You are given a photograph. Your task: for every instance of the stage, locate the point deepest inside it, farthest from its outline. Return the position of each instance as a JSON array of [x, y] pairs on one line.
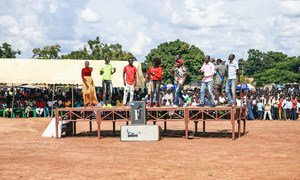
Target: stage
[[155, 114]]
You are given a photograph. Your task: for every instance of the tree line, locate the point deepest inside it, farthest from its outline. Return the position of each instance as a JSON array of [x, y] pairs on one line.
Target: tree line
[[264, 67]]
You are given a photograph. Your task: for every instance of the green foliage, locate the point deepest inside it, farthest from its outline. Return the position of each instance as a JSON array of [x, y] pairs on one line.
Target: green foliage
[[276, 76], [98, 50], [80, 54], [193, 58], [7, 52], [258, 61], [271, 67], [47, 52]]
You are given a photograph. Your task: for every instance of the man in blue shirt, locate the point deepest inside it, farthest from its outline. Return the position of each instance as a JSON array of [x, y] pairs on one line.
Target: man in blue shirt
[[260, 110]]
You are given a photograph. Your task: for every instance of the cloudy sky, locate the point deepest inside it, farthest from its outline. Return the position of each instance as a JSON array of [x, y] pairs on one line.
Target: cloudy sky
[[216, 27]]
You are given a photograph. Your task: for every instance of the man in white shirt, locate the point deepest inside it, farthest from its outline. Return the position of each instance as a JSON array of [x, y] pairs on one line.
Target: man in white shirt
[[208, 69], [287, 108], [233, 70]]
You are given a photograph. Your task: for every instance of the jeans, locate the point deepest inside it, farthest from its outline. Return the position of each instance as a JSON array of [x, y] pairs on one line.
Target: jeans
[[46, 111], [230, 85], [107, 91], [178, 94], [128, 89], [259, 115], [250, 113], [210, 86], [293, 114], [155, 89], [275, 113]]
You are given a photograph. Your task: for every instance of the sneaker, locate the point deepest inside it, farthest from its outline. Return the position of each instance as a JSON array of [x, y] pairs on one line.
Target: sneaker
[[175, 106], [109, 106], [185, 104], [212, 105], [104, 106]]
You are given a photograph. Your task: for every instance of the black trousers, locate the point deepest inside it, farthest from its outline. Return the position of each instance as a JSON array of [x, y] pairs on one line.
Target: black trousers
[[275, 113]]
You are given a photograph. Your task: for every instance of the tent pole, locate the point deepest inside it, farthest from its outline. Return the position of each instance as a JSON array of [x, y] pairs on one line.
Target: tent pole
[[13, 101], [52, 100]]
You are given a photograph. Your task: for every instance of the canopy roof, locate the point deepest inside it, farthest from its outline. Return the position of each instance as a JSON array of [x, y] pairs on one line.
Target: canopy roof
[[34, 71]]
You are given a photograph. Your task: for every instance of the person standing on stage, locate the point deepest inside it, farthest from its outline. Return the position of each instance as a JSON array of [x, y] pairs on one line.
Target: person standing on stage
[[208, 69], [107, 70], [88, 88], [220, 77], [233, 71], [155, 74], [130, 81], [180, 76]]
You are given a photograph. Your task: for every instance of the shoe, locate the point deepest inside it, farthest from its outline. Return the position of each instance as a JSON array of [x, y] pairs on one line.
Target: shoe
[[103, 106], [212, 105], [175, 106], [109, 106]]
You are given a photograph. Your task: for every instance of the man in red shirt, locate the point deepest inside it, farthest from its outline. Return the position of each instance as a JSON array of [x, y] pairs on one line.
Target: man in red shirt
[[155, 74], [40, 105], [294, 108], [130, 81]]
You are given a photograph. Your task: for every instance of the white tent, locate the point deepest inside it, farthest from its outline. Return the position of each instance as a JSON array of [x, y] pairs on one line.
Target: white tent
[[40, 71]]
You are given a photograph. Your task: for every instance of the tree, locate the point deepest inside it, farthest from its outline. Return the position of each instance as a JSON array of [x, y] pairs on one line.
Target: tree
[[97, 50], [258, 61], [47, 52], [7, 52], [80, 54], [286, 71], [193, 58]]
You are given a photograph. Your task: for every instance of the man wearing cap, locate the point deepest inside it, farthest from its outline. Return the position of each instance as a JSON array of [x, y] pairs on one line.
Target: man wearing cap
[[180, 75]]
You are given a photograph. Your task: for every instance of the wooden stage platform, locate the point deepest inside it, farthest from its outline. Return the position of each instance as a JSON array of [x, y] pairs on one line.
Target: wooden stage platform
[[155, 114]]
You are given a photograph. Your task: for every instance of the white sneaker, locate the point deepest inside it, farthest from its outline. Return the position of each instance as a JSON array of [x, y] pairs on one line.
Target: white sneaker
[[175, 106]]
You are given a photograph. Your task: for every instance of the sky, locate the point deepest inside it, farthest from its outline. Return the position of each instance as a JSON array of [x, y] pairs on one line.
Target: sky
[[217, 27]]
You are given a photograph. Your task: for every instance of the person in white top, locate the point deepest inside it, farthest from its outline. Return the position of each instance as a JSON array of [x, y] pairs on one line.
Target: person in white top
[[208, 69], [267, 111], [233, 70], [274, 104], [287, 108]]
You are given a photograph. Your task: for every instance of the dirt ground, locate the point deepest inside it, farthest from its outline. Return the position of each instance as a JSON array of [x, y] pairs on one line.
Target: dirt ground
[[270, 150]]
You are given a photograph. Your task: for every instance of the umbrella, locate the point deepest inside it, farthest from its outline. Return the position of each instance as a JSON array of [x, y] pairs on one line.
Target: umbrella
[[245, 87]]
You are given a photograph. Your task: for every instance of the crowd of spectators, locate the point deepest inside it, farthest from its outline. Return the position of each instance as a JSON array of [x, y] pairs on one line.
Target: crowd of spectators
[[262, 104], [274, 104]]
